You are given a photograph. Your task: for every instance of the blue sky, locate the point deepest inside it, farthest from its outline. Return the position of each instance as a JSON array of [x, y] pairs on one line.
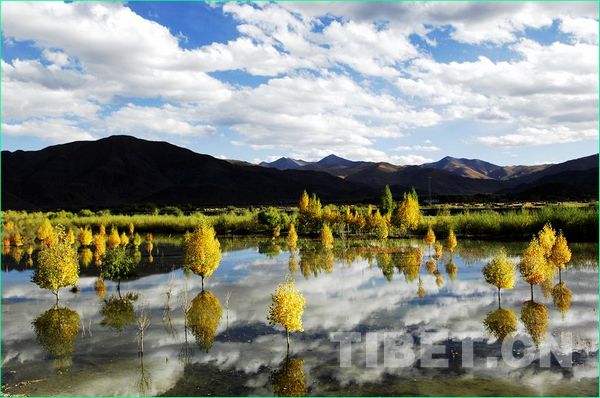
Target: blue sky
[[407, 83]]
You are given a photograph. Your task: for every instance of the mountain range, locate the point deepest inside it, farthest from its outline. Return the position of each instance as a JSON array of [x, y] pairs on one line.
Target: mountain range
[[123, 171]]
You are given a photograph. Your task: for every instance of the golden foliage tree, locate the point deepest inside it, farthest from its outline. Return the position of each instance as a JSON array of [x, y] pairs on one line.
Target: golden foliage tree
[[124, 239], [303, 203], [431, 265], [438, 250], [380, 226], [292, 238], [102, 230], [560, 254], [100, 288], [202, 251], [407, 215], [85, 257], [500, 323], [70, 236], [287, 308], [58, 265], [561, 297], [289, 379], [535, 318], [451, 241], [56, 331], [533, 264], [130, 229], [16, 239], [500, 272], [204, 317], [113, 239], [547, 237], [45, 231], [326, 237], [429, 236], [85, 236]]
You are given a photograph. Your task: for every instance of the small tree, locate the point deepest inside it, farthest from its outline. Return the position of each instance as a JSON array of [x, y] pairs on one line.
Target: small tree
[[533, 264], [500, 272], [303, 203], [85, 236], [292, 238], [202, 251], [429, 237], [124, 239], [535, 318], [287, 308], [45, 231], [131, 228], [326, 237], [113, 238], [380, 226], [118, 265], [501, 323], [58, 265], [547, 237], [438, 250], [408, 214], [386, 202], [451, 241], [204, 317], [560, 254], [561, 297]]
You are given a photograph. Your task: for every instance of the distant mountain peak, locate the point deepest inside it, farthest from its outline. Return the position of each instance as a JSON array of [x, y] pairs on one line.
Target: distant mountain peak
[[334, 160]]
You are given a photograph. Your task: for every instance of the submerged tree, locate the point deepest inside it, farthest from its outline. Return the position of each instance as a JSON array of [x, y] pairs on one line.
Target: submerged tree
[[560, 254], [289, 379], [58, 265], [118, 265], [203, 318], [287, 308], [326, 237], [56, 331], [292, 238], [535, 318], [202, 251], [501, 323], [561, 297], [500, 272], [451, 241], [533, 264]]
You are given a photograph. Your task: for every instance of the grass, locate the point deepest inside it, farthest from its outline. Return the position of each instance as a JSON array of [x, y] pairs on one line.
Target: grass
[[577, 223]]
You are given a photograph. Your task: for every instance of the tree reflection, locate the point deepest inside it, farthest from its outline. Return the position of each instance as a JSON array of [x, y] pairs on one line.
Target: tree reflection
[[56, 331], [316, 261], [289, 379], [451, 269], [384, 262], [269, 248], [501, 323], [535, 318], [203, 318], [118, 312], [85, 257], [561, 297]]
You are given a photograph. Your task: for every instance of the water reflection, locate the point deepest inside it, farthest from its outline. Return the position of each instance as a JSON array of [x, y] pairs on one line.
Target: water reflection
[[535, 318], [562, 296], [289, 379], [204, 317], [118, 312], [56, 331]]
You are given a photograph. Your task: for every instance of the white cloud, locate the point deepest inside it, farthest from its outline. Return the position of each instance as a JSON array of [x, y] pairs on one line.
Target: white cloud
[[55, 130], [418, 148], [581, 29], [539, 136]]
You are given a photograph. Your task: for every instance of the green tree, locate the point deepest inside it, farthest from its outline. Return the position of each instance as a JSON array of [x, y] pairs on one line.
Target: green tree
[[386, 202], [118, 312], [500, 272], [58, 265], [202, 251], [118, 264]]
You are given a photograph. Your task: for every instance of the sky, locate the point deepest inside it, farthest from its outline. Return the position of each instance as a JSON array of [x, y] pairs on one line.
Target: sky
[[407, 83]]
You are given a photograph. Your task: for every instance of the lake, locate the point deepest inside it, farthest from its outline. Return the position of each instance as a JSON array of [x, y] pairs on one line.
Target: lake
[[89, 344]]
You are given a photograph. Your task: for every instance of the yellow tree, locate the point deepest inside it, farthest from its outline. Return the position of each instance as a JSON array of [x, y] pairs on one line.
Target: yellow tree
[[204, 317], [130, 229], [500, 272], [560, 254], [113, 238], [547, 237], [45, 231], [287, 308], [289, 380], [429, 237], [533, 264], [380, 226], [438, 250], [58, 265], [56, 331], [85, 236], [407, 215], [451, 269], [202, 251], [561, 297], [500, 323], [70, 236], [124, 239], [102, 230], [326, 237], [86, 257], [303, 203], [535, 318], [292, 238], [451, 241]]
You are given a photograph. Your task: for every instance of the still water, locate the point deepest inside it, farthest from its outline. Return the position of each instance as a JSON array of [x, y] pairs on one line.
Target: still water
[[89, 344]]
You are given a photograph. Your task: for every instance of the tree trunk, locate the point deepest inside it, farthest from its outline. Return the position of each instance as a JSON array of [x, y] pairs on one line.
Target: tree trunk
[[531, 285], [119, 288], [202, 282], [287, 336], [498, 297], [559, 275], [56, 294]]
